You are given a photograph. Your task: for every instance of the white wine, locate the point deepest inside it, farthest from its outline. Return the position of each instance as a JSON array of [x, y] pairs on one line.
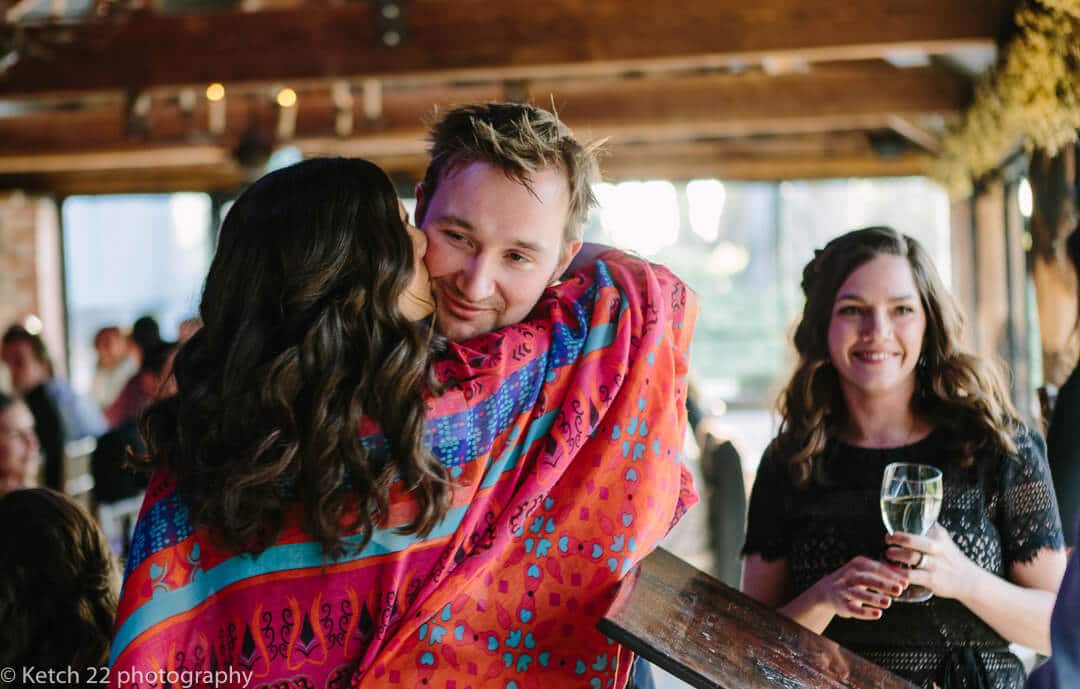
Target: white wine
[[910, 502], [913, 514]]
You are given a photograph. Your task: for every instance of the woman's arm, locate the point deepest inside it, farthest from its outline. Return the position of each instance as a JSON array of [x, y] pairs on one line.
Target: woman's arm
[[1018, 609], [1019, 606], [770, 583], [860, 589]]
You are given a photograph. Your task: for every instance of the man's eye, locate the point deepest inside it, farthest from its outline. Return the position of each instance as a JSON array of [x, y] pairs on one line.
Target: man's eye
[[517, 258]]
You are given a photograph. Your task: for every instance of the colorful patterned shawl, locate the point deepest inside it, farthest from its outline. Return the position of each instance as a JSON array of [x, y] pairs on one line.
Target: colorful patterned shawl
[[564, 436]]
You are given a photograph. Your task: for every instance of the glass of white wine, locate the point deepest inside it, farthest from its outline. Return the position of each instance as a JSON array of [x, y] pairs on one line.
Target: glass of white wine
[[910, 502]]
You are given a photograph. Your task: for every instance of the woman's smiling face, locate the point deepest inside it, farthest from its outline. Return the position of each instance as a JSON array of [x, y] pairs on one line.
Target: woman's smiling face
[[876, 328]]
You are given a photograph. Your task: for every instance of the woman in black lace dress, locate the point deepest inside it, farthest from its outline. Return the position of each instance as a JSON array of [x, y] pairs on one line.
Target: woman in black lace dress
[[882, 378]]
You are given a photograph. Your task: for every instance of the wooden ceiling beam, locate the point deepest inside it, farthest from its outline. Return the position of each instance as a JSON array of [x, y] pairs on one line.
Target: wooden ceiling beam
[[480, 39], [134, 159], [789, 157], [827, 98], [229, 177], [847, 154], [831, 97], [911, 131]]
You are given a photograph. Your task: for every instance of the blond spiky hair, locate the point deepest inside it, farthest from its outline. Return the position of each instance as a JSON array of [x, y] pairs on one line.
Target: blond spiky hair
[[519, 139]]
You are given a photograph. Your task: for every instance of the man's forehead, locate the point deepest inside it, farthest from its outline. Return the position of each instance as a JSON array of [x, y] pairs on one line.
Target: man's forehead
[[526, 179], [499, 210]]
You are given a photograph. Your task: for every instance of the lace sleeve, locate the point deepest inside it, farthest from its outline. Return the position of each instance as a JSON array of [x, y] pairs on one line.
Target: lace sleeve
[[1029, 511], [765, 532]]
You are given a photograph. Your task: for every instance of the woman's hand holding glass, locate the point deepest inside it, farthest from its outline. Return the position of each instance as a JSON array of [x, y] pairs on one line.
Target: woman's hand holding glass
[[911, 496], [862, 588], [938, 564]]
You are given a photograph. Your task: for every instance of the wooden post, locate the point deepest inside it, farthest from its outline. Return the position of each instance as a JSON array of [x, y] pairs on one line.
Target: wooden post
[[31, 273], [992, 299], [1054, 217], [1018, 326], [990, 283], [962, 236]]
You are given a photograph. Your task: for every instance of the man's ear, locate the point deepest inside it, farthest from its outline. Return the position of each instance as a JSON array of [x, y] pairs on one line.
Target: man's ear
[[569, 252], [421, 203]]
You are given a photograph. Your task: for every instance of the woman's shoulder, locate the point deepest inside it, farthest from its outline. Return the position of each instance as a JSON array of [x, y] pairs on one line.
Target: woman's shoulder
[[1027, 457], [1027, 440], [775, 465]]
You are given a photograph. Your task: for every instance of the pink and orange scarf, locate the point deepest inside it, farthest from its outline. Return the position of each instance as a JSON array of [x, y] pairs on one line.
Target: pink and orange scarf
[[564, 438]]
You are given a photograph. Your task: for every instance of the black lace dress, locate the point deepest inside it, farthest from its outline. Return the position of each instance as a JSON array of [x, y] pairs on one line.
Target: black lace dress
[[999, 512]]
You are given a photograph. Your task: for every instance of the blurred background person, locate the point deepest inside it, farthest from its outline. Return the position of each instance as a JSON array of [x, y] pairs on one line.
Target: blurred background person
[[723, 489], [145, 336], [61, 415], [115, 365], [118, 487], [1062, 439], [1063, 447], [58, 586], [19, 451]]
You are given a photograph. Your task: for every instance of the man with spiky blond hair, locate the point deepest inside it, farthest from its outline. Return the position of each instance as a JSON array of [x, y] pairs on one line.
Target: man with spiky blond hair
[[503, 203]]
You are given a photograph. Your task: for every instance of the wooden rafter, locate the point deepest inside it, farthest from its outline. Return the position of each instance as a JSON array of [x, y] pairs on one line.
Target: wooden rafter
[[827, 98], [171, 168], [480, 39]]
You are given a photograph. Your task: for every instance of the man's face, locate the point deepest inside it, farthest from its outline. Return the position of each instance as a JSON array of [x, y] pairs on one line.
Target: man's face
[[493, 245], [26, 371]]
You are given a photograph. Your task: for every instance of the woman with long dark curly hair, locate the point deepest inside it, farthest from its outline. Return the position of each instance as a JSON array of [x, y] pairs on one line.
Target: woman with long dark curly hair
[[338, 501], [882, 377], [276, 382]]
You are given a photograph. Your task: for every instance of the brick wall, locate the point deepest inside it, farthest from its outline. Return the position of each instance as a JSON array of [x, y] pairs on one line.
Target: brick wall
[[31, 277]]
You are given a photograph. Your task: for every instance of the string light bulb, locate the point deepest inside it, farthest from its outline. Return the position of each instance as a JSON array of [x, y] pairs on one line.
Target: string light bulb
[[286, 97], [33, 325]]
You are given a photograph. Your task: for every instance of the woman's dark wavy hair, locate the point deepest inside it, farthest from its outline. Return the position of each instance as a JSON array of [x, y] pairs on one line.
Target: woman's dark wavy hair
[[58, 584], [302, 338], [956, 390]]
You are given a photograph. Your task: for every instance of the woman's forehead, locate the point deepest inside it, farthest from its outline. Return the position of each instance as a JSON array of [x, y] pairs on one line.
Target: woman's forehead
[[882, 273]]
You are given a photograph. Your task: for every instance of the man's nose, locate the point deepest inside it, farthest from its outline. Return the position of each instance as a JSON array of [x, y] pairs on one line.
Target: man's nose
[[477, 280]]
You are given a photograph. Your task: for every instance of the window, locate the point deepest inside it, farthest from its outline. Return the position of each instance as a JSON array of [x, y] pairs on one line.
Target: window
[[742, 247], [130, 256]]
